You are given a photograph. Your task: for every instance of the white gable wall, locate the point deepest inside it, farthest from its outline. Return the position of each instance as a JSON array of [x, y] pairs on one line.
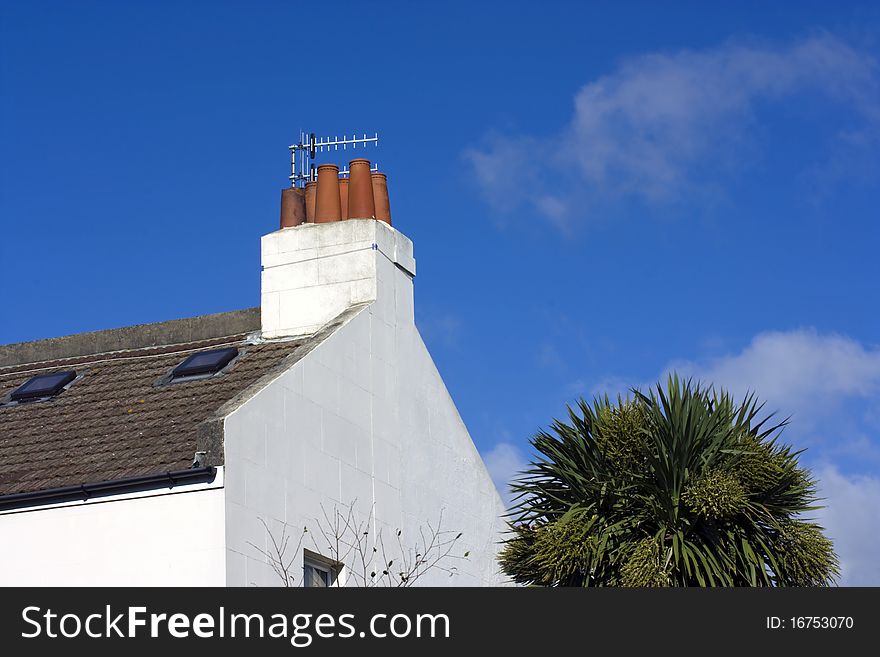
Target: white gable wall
[[365, 417]]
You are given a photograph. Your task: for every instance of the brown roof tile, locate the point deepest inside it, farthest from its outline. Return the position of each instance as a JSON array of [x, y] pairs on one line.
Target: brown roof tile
[[116, 421]]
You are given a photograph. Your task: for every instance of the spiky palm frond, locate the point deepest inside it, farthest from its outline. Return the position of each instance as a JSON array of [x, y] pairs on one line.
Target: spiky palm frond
[[680, 486]]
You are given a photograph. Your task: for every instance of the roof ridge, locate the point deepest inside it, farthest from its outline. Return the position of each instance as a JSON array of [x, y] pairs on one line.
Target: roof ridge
[[126, 354], [131, 338]]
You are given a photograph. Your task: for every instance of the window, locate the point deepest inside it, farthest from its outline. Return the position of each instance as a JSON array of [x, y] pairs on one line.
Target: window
[[204, 363], [318, 571], [42, 386]]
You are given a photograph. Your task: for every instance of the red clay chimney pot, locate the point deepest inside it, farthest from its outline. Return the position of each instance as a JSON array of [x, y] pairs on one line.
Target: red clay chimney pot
[[343, 198], [380, 197], [327, 205], [293, 207], [311, 189], [360, 191]]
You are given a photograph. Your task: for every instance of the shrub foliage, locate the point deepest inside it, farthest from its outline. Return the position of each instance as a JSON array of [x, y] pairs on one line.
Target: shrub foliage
[[677, 487]]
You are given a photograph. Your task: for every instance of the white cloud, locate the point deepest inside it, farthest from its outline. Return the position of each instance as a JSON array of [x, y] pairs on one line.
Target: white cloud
[[613, 386], [504, 462], [852, 521], [550, 357], [494, 166], [800, 372], [654, 126]]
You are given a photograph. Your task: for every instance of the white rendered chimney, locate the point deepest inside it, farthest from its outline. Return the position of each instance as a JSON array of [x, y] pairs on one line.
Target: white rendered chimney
[[313, 272]]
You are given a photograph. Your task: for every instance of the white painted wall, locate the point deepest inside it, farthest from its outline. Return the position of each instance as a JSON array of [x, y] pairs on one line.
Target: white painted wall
[[366, 417], [312, 273], [169, 538]]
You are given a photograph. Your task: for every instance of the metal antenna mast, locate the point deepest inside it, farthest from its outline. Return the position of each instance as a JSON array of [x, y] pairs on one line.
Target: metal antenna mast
[[304, 153]]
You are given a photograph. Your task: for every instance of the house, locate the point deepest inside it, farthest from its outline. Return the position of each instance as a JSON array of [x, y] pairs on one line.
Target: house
[[188, 452]]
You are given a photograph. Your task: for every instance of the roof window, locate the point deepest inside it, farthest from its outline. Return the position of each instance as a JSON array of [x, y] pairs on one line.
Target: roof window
[[42, 386], [204, 363]]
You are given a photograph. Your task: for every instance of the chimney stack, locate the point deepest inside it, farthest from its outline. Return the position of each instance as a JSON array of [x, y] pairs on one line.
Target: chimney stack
[[314, 272], [336, 249]]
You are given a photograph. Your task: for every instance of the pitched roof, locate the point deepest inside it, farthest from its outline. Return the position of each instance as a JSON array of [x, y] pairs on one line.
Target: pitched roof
[[118, 420]]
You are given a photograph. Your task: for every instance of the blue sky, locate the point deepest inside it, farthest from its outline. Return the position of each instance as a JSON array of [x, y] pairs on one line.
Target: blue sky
[[598, 193]]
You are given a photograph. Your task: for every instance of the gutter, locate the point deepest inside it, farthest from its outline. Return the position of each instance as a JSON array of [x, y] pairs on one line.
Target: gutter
[[84, 492]]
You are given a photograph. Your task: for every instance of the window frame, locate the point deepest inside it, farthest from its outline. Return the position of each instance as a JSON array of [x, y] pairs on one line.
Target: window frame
[[14, 397], [180, 373], [320, 563]]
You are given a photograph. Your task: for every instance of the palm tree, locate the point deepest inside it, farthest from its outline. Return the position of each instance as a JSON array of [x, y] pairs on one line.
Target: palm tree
[[679, 487]]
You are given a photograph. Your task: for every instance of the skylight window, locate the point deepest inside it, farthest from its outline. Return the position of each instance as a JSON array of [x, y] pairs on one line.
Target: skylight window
[[42, 385], [204, 363]]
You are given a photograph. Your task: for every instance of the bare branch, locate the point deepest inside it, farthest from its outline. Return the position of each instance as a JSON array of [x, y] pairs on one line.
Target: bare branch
[[349, 542]]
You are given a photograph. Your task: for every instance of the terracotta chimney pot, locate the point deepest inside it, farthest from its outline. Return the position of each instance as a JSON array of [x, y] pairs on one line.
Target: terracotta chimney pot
[[327, 205], [343, 197], [380, 197], [293, 207], [360, 191], [311, 189]]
